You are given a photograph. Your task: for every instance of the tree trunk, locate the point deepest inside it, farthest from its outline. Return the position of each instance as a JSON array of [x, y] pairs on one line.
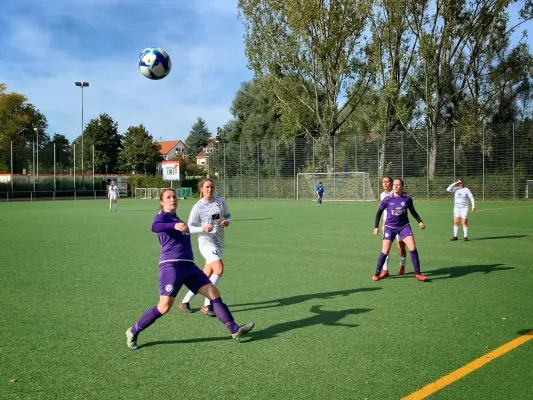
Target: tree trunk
[[381, 159], [432, 153]]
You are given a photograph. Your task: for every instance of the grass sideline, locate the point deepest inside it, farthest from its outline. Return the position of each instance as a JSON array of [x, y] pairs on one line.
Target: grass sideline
[[74, 277]]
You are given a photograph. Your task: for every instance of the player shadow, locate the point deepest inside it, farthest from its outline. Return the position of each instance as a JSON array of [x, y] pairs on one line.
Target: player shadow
[[321, 317], [287, 301], [499, 237], [528, 332], [183, 341], [463, 270]]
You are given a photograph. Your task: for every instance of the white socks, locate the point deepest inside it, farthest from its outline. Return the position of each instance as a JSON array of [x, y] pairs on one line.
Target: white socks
[[190, 295], [402, 261], [465, 231], [455, 231], [214, 278], [386, 264]]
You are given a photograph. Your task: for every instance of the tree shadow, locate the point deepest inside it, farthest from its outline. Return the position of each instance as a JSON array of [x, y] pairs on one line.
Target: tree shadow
[[456, 272], [321, 317], [184, 341], [298, 299], [499, 237]]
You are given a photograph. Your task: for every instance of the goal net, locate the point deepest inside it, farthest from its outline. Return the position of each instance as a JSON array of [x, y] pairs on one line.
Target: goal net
[[346, 186], [147, 193]]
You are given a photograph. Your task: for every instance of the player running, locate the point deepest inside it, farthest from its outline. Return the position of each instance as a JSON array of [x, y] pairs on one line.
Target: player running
[[209, 217], [460, 208], [177, 268], [113, 195], [386, 182], [319, 193], [397, 224]]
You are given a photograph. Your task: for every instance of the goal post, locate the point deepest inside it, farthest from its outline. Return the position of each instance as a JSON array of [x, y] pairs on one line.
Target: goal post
[[529, 189], [340, 186], [147, 193]]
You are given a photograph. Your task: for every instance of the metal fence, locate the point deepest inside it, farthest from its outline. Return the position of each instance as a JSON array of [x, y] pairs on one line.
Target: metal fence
[[495, 161], [49, 172]]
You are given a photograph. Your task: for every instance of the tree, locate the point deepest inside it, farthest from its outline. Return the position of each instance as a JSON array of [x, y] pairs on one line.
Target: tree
[[198, 138], [18, 118], [139, 151], [63, 151], [102, 133], [393, 51], [452, 38], [309, 50]]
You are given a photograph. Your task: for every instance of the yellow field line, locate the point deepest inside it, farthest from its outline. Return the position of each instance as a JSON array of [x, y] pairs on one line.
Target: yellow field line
[[468, 368]]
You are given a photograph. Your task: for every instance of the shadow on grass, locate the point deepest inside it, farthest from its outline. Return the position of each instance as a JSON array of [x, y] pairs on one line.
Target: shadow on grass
[[321, 317], [528, 332], [456, 272], [499, 237], [184, 341], [297, 299]]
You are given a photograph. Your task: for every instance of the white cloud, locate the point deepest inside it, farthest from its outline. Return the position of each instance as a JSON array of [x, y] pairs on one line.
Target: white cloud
[[62, 41]]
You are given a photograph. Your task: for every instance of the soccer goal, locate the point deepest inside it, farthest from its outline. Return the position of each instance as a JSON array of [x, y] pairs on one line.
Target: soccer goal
[[147, 193], [529, 189], [340, 186]]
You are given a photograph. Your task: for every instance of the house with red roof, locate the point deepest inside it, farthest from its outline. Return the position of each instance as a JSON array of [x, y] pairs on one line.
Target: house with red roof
[[203, 156], [173, 148]]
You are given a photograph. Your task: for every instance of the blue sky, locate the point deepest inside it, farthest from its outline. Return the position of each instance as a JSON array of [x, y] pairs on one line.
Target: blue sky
[[48, 45]]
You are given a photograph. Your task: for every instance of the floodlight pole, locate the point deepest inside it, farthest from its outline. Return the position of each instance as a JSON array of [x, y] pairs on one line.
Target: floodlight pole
[[37, 149], [82, 85]]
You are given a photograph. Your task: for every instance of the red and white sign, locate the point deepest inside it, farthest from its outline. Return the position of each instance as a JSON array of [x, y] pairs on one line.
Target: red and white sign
[[171, 170]]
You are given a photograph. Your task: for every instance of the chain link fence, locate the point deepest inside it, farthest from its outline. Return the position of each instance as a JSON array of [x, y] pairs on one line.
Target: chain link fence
[[495, 161], [49, 172]]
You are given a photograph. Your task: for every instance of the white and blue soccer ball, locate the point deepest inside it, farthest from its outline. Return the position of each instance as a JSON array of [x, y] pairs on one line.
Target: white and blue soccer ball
[[154, 63]]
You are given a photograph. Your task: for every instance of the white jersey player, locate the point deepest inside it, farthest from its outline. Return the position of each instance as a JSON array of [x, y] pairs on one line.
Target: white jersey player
[[386, 183], [113, 195], [461, 206], [209, 217]]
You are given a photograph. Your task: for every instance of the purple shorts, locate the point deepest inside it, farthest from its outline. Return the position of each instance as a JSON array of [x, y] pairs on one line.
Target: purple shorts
[[173, 275], [402, 233]]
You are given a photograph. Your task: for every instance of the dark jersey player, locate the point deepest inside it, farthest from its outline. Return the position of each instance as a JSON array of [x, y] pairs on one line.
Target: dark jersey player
[[397, 224], [319, 193], [177, 268]]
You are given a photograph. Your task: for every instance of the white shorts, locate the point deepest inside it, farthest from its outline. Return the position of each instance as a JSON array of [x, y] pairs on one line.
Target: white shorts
[[112, 197], [211, 252], [460, 212]]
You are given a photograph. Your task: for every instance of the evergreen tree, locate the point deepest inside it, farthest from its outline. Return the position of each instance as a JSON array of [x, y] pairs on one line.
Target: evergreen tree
[[198, 138]]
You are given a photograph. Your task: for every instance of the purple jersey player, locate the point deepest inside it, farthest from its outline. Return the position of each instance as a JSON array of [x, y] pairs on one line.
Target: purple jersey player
[[397, 224], [177, 268]]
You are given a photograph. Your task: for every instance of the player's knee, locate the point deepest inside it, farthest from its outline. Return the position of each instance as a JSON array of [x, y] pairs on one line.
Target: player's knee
[[217, 267], [164, 307]]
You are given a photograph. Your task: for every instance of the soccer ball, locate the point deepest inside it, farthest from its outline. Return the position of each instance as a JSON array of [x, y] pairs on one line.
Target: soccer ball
[[154, 63]]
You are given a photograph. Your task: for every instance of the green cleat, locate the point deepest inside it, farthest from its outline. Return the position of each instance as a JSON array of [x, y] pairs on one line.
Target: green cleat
[[243, 330], [131, 340]]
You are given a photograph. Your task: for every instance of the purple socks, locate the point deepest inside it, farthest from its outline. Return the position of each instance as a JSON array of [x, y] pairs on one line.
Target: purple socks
[[224, 315], [147, 319], [381, 260]]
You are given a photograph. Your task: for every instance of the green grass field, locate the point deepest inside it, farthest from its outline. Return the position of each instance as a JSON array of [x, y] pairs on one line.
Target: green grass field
[[74, 277]]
